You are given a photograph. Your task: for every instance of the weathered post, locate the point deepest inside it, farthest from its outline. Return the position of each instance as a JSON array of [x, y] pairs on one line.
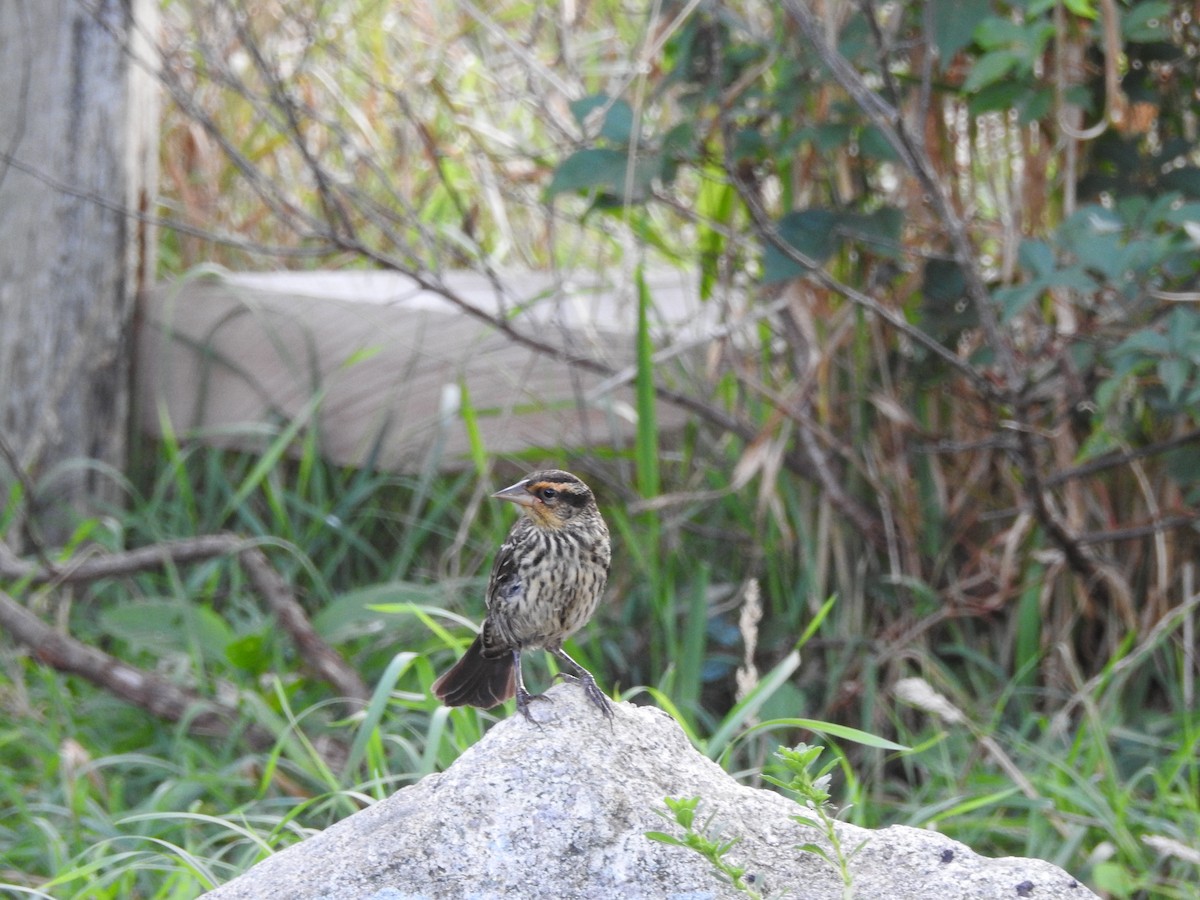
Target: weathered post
[[78, 148]]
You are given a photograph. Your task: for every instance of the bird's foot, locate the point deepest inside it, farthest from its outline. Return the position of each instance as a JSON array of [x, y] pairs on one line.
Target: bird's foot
[[593, 692], [524, 698], [590, 688]]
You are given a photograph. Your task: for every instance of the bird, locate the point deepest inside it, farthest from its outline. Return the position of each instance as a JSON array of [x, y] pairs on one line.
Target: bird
[[546, 581]]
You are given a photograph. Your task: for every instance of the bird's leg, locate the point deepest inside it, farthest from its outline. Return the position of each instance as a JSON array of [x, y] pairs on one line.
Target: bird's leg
[[523, 696], [583, 677]]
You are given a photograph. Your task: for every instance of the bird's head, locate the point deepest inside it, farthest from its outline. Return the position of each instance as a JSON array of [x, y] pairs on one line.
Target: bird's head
[[551, 498]]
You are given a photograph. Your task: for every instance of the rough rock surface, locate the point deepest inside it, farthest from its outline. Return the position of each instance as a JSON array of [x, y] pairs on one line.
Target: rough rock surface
[[562, 810]]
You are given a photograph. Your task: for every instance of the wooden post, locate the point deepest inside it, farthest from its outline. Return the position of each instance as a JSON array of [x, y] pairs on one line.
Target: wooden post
[[78, 145]]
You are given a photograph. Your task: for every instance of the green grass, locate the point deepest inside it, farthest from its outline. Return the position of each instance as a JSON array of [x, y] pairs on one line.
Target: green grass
[[100, 800]]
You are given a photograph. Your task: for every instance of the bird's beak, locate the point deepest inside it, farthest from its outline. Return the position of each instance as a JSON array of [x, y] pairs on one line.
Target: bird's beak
[[516, 494]]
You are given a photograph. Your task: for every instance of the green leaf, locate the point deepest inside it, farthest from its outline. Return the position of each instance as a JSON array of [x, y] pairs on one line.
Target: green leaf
[[1014, 300], [1029, 628], [945, 310], [1097, 443], [664, 838], [737, 716], [618, 116], [1036, 257], [999, 97], [1183, 326], [594, 168], [1105, 254], [618, 123], [646, 440], [355, 613], [603, 170], [470, 420], [990, 68], [832, 729], [944, 281], [1114, 879], [377, 708], [269, 460], [1146, 342], [1145, 23], [164, 626], [1183, 213], [1174, 374], [1072, 277], [879, 230], [999, 32], [811, 232], [749, 143], [1081, 8], [828, 137], [873, 144], [250, 652], [1034, 105], [582, 108], [954, 22]]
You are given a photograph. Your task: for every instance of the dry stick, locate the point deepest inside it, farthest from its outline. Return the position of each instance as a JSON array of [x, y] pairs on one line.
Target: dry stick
[[115, 565], [144, 689], [1118, 458], [317, 656], [1137, 532], [888, 119]]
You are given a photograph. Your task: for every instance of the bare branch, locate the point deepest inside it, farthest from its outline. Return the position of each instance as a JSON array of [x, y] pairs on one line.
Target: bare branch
[[156, 695], [1137, 532], [321, 659], [317, 655], [116, 565], [1119, 459]]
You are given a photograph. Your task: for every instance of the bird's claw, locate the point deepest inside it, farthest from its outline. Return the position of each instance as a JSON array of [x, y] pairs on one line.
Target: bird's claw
[[590, 688], [523, 700], [597, 696]]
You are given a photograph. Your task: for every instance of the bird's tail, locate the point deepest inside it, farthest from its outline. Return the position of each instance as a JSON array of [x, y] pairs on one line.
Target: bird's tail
[[477, 680]]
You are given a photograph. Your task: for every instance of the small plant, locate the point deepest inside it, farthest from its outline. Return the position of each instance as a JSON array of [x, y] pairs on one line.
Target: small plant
[[808, 789], [811, 791], [683, 811]]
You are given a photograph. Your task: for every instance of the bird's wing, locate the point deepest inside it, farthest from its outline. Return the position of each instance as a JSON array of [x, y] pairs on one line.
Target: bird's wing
[[505, 581]]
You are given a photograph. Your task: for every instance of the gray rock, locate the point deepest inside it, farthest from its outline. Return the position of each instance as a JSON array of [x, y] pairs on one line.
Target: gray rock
[[562, 810]]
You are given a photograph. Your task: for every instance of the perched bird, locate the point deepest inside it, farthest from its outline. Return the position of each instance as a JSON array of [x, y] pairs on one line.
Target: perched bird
[[544, 586]]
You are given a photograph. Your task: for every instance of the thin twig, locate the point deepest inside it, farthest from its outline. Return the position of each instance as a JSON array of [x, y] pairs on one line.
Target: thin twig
[[1120, 458], [1136, 532]]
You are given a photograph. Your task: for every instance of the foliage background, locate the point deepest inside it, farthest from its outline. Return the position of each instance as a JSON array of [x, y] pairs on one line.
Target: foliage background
[[948, 432]]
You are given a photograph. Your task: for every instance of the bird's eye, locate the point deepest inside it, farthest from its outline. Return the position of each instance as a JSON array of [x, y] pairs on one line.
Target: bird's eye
[[548, 493]]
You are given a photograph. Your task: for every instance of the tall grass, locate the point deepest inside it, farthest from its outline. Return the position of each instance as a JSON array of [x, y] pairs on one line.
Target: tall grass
[[100, 800]]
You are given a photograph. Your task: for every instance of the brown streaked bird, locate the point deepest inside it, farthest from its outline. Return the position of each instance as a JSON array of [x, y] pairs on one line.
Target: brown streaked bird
[[545, 584]]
